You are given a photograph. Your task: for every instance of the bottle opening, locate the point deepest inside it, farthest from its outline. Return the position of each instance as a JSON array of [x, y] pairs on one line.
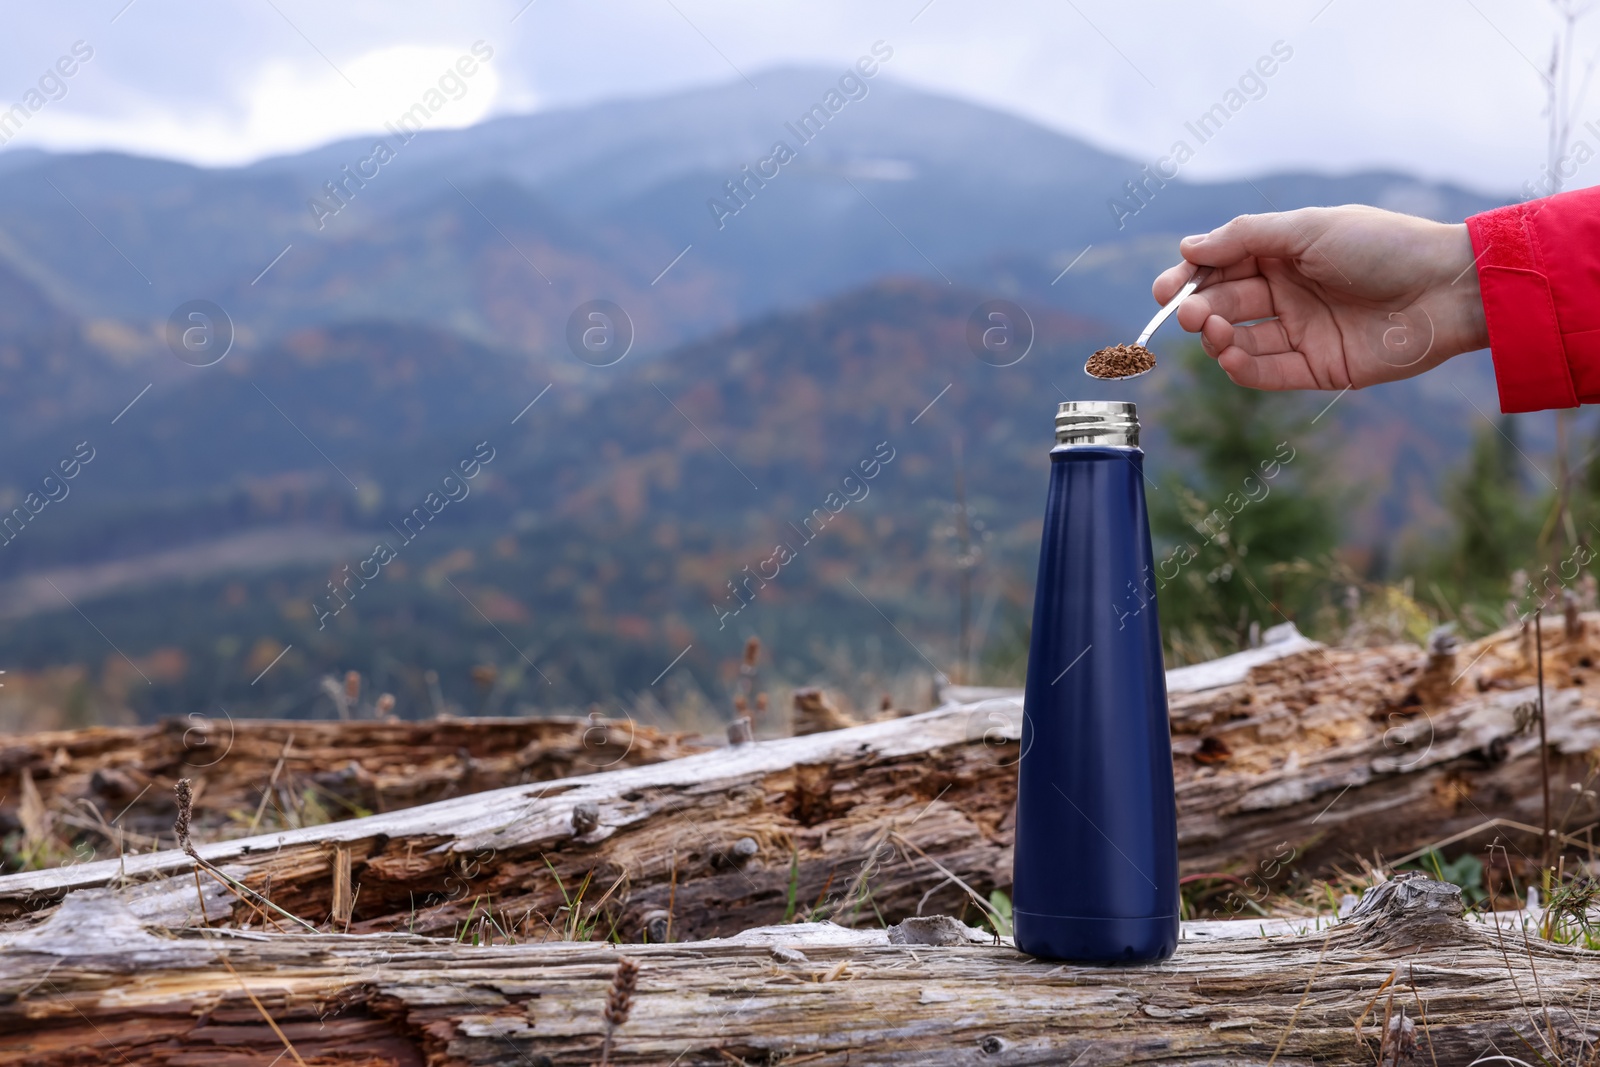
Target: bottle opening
[[1113, 423]]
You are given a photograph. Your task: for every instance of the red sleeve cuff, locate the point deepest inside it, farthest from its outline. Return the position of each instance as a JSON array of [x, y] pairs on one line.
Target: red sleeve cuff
[[1539, 273]]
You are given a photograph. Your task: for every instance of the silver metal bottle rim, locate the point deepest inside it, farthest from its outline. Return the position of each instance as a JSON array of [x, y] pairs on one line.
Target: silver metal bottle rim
[[1106, 423]]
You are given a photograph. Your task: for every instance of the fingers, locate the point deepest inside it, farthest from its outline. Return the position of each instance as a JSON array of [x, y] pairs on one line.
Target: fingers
[[1262, 339], [1257, 357], [1262, 356], [1240, 301], [1172, 279], [1279, 235], [1280, 371], [1169, 281], [1236, 246]]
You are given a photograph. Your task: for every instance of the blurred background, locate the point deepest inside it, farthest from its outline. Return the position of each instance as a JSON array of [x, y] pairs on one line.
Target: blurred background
[[492, 350]]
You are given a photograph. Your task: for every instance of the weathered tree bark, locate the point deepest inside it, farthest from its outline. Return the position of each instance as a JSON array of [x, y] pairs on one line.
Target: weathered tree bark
[[1289, 758], [1406, 980], [345, 768]]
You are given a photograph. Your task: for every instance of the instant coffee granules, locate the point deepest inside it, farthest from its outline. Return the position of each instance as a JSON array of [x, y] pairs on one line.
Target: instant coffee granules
[[1120, 361]]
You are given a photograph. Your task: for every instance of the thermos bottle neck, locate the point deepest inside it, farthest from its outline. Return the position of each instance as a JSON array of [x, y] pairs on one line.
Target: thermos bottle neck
[[1097, 423]]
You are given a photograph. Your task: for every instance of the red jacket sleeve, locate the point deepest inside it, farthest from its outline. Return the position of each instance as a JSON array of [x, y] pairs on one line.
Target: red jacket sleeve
[[1539, 270]]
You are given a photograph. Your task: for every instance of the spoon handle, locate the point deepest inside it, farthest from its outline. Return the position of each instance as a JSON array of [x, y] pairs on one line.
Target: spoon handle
[[1172, 305]]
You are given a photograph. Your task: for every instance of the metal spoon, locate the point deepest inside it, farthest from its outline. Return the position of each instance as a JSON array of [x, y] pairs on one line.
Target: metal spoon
[[1165, 313]]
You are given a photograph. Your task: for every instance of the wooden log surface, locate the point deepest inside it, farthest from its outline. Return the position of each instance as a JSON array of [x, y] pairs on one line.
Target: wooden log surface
[[1314, 754], [1405, 980], [436, 880], [89, 778]]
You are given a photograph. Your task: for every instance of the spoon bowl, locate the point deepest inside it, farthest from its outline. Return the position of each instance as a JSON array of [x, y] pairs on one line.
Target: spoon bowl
[[1201, 274]]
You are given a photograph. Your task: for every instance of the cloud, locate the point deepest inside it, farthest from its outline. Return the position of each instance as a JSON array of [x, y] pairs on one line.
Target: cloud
[[285, 107]]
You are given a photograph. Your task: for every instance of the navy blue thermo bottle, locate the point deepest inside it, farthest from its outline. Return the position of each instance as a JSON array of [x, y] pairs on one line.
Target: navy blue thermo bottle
[[1096, 867]]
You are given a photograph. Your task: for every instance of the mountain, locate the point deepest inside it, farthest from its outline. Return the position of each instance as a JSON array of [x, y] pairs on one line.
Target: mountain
[[50, 366], [501, 230], [612, 515], [623, 518], [626, 514]]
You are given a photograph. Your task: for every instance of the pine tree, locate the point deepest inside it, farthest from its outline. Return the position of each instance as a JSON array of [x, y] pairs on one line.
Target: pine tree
[[1244, 531], [1495, 520]]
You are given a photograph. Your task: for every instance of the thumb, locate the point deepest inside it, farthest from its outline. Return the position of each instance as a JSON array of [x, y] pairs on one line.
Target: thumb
[[1279, 235]]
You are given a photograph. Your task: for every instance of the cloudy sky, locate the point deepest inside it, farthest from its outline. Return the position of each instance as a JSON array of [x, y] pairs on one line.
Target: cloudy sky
[[1449, 89]]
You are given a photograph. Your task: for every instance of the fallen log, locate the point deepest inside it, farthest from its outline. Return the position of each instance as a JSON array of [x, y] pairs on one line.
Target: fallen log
[[254, 773], [1406, 980], [1289, 759]]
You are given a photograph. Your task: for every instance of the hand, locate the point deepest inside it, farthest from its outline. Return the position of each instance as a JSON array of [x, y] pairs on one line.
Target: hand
[[1351, 296]]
